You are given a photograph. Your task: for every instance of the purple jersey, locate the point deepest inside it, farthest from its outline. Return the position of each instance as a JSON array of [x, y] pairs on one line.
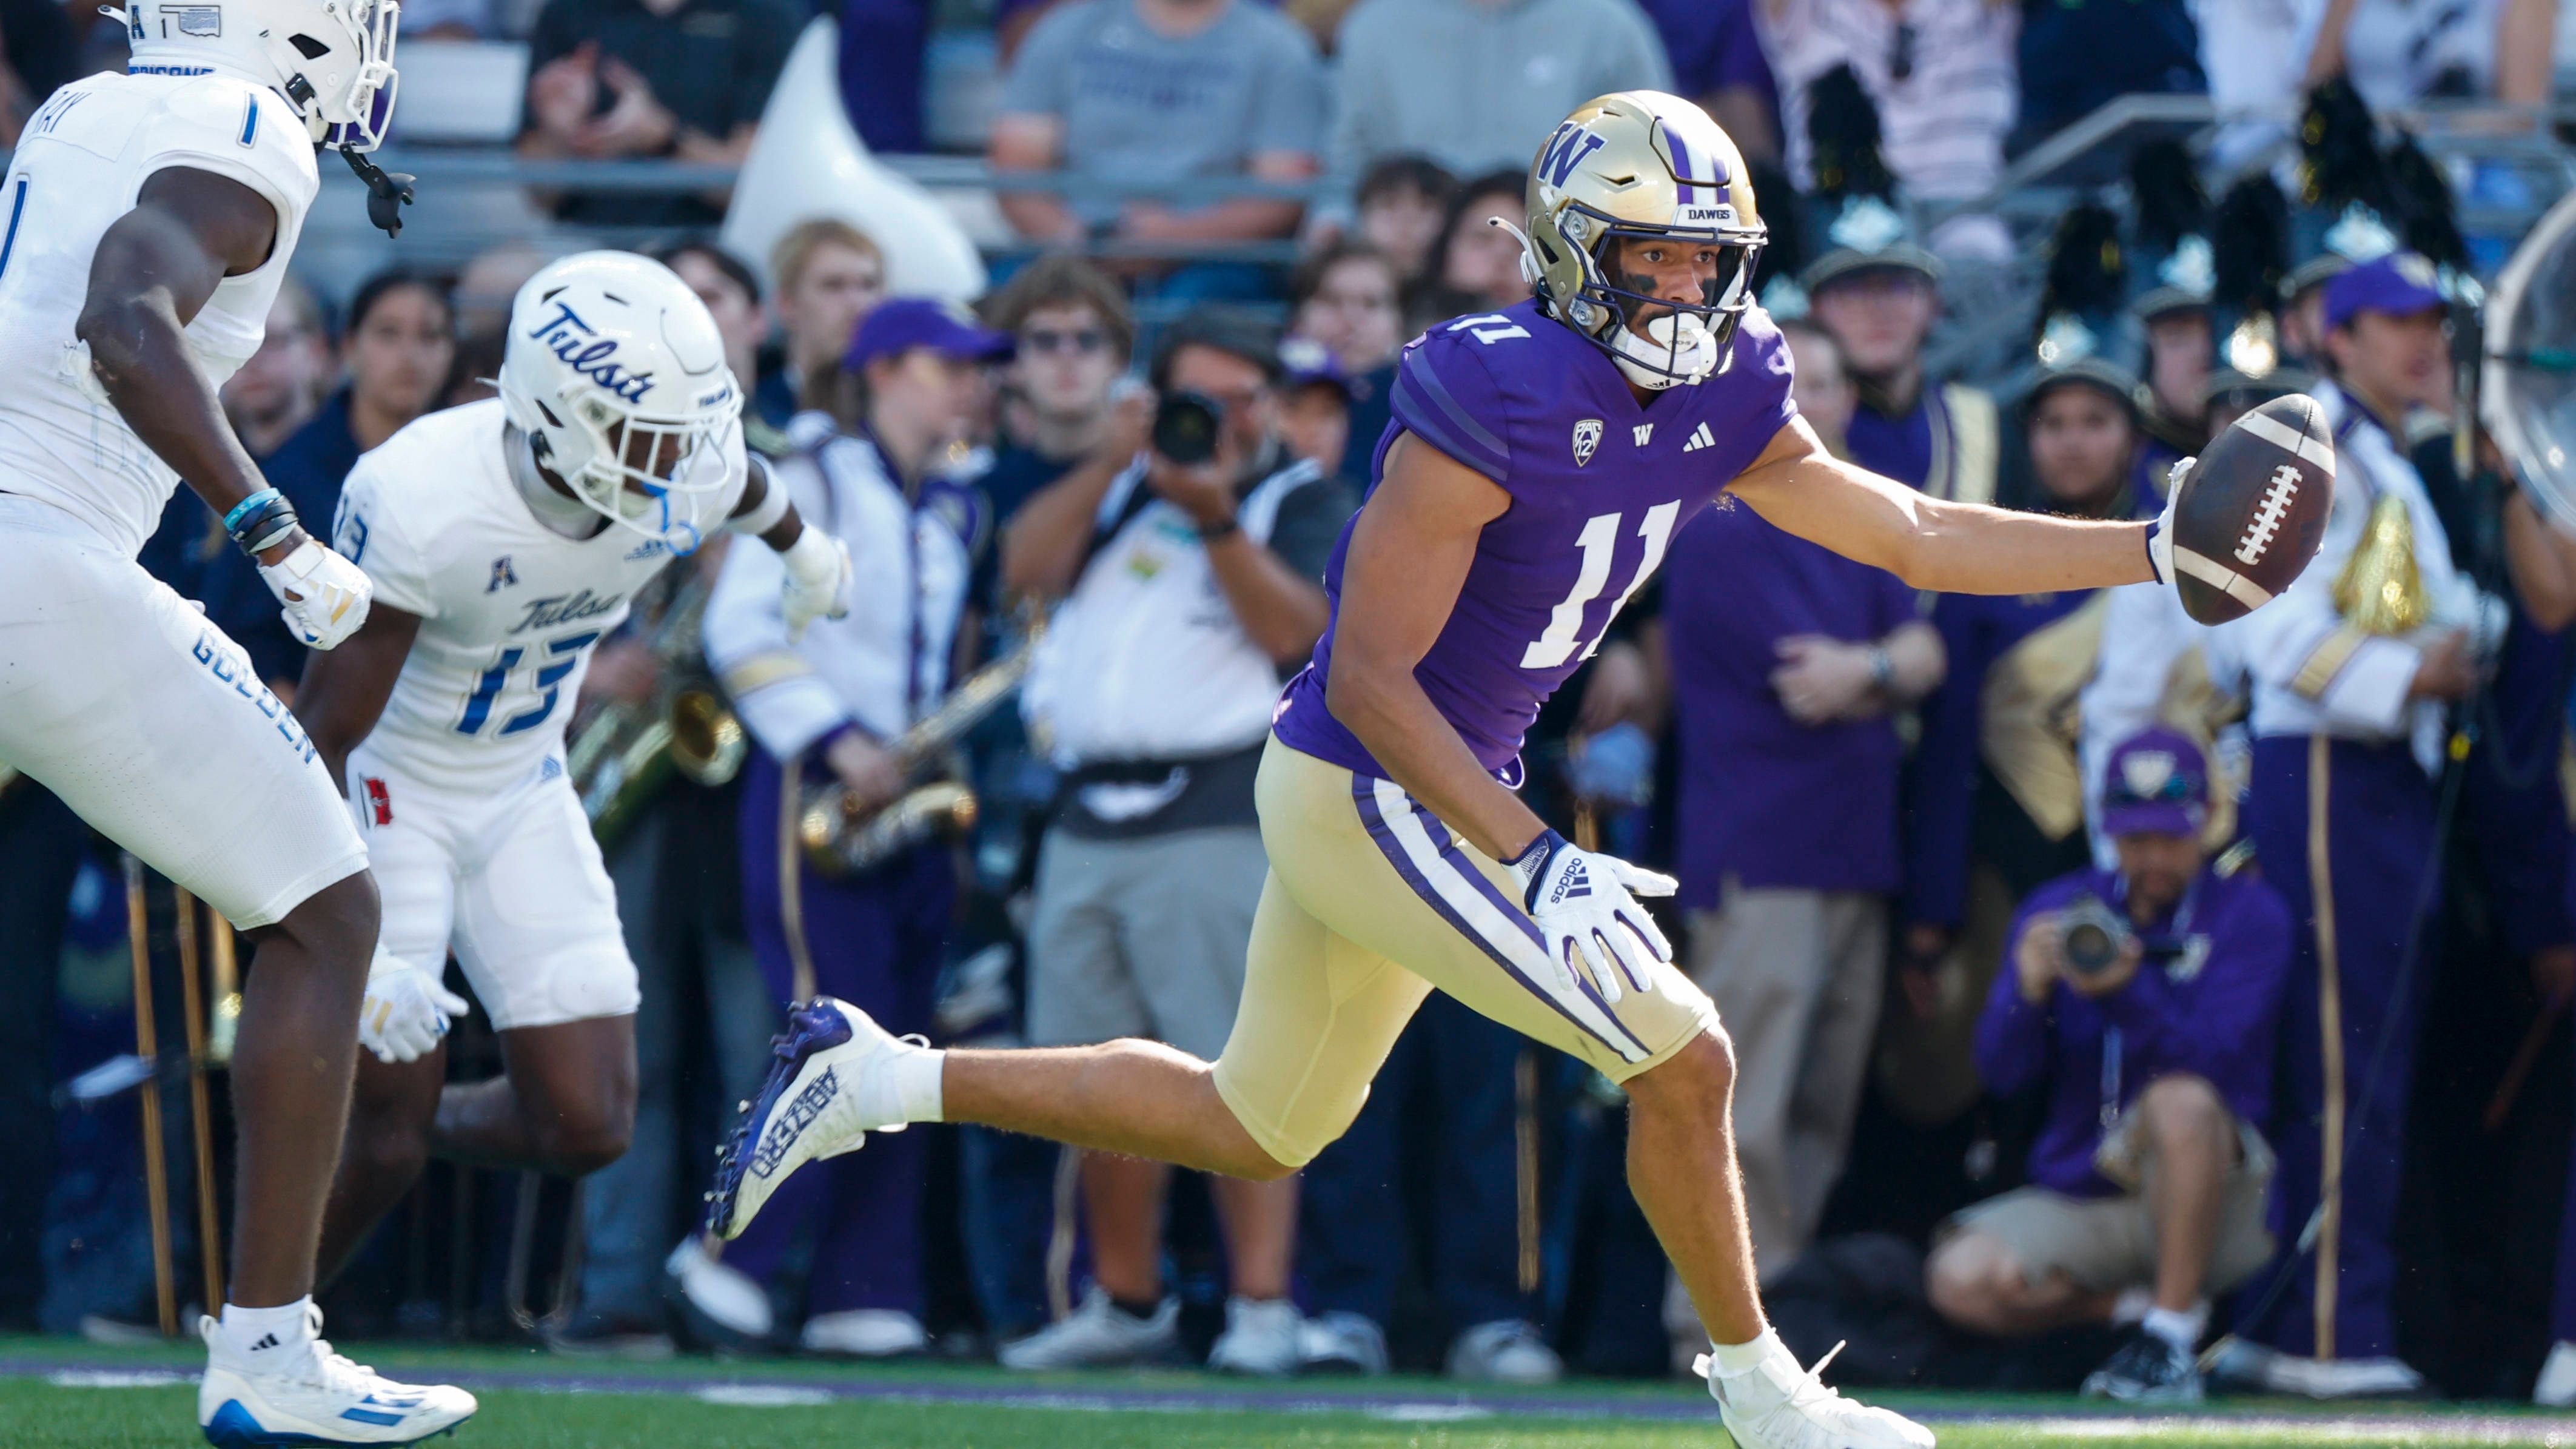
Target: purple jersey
[[1525, 401]]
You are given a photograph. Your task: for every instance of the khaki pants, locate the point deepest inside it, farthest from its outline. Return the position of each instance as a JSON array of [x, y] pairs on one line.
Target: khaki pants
[[1797, 977], [2109, 1243]]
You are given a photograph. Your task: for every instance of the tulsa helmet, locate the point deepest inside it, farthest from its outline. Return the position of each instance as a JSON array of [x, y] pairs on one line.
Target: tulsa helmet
[[1642, 164], [616, 372], [333, 60]]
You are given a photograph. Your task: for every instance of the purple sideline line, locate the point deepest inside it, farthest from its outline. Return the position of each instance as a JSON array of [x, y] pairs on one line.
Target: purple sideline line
[[1092, 1394]]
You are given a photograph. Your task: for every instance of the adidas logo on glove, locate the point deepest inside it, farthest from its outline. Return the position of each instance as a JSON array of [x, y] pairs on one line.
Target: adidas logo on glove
[[1576, 881]]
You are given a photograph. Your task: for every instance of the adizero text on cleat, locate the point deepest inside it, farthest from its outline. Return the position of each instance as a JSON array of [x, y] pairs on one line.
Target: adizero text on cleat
[[821, 1100]]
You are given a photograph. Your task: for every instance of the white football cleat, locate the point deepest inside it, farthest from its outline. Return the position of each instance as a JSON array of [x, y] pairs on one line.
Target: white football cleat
[[823, 1098], [1777, 1405], [315, 1398]]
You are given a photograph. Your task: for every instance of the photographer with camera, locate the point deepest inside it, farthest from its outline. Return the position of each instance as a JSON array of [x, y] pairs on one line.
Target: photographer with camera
[[2143, 1002], [1187, 552]]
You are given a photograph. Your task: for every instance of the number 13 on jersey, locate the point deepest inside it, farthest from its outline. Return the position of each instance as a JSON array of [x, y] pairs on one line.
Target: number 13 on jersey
[[1600, 544]]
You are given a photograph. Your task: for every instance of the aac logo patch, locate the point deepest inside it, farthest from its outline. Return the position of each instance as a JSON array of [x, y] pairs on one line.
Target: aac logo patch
[[1587, 436]]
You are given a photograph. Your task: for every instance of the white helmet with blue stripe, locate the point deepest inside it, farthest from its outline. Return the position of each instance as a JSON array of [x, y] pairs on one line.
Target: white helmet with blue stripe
[[333, 60], [616, 372]]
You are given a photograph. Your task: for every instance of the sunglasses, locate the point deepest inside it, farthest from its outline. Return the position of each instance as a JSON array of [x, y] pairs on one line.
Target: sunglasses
[[1084, 339]]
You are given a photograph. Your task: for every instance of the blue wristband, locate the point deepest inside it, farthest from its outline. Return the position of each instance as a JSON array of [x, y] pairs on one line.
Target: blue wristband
[[232, 520], [261, 521]]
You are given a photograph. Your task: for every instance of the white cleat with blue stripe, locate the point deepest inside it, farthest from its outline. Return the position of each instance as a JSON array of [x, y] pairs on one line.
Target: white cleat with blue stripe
[[315, 1398], [826, 1092]]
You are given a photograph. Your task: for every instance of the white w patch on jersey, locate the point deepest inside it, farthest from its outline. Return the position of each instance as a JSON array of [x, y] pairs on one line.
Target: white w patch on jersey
[[510, 610]]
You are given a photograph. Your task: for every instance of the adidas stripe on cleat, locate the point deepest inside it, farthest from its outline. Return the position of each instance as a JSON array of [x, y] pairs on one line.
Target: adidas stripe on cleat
[[315, 1397]]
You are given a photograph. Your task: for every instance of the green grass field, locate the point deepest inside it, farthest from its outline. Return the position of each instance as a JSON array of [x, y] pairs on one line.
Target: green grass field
[[55, 1395]]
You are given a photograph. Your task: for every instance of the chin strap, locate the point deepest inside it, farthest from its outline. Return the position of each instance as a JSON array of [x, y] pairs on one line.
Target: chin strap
[[388, 192], [1530, 270]]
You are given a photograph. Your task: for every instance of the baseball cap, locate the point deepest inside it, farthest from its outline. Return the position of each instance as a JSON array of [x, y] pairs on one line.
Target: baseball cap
[[1868, 238], [2156, 782], [1311, 363], [900, 324], [2399, 283]]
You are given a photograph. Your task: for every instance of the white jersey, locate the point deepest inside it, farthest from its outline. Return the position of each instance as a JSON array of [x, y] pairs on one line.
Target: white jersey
[[510, 609], [79, 166]]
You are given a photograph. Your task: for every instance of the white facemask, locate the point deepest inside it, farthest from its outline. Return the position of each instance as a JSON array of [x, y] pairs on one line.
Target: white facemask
[[1682, 350]]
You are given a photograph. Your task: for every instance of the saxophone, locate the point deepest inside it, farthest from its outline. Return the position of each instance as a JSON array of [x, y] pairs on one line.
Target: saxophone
[[842, 839], [622, 756]]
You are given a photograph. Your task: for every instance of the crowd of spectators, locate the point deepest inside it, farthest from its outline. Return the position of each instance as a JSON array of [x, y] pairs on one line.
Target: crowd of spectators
[[1895, 819]]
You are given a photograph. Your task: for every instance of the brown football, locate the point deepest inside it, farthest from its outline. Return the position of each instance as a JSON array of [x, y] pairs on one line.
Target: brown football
[[2252, 510]]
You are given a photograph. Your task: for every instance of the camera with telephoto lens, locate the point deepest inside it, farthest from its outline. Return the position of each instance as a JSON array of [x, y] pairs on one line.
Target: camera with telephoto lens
[[2093, 935], [1187, 426]]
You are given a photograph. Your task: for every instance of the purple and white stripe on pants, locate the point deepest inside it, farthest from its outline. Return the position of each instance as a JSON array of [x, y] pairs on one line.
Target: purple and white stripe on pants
[[1426, 855]]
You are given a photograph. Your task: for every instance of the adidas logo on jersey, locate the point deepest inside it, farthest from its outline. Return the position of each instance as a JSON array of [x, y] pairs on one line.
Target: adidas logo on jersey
[[266, 1340], [1700, 438]]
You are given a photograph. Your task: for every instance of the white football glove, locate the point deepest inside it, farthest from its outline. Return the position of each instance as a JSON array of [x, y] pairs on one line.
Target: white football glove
[[325, 595], [818, 580], [2160, 533], [1584, 904], [406, 1012]]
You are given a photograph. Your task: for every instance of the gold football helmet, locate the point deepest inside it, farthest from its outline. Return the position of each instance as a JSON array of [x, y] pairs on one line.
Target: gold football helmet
[[1633, 165]]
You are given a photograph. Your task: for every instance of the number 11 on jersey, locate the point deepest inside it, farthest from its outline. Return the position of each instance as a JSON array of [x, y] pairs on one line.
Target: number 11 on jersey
[[1600, 544]]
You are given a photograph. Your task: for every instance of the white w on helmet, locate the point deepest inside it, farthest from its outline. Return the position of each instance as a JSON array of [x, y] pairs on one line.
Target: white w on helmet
[[333, 60], [617, 374]]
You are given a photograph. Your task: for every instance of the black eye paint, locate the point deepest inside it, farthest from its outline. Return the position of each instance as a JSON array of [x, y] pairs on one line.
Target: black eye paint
[[1641, 283]]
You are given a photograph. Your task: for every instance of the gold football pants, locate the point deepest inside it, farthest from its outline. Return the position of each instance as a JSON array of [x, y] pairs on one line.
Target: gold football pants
[[1371, 903]]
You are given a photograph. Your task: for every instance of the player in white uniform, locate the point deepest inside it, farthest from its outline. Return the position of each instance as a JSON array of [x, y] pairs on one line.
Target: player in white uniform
[[505, 540], [146, 220]]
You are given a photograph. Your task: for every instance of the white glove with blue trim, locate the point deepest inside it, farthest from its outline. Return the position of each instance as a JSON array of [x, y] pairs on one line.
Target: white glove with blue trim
[[1585, 905], [406, 1012]]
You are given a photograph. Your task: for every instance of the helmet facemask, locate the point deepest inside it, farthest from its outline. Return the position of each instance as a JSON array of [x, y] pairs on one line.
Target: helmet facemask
[[358, 119], [1682, 342], [651, 476]]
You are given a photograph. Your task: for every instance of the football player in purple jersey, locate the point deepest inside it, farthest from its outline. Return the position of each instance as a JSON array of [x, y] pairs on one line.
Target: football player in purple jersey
[[1540, 461]]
